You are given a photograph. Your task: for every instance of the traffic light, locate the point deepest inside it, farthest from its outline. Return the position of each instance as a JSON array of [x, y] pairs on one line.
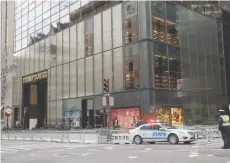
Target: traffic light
[[106, 85]]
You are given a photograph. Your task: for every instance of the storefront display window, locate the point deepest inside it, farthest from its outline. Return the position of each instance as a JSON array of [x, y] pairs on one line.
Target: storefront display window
[[172, 116], [131, 72], [125, 117], [161, 66]]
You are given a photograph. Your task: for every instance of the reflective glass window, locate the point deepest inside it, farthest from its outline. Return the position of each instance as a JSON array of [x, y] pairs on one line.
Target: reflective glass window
[[31, 15], [80, 37], [42, 55], [73, 79], [66, 45], [53, 50], [107, 26], [74, 6], [89, 37], [36, 57], [73, 43], [89, 76], [117, 26], [53, 79], [81, 77], [38, 10], [118, 69], [59, 48], [98, 74], [46, 6], [59, 82], [31, 48], [66, 80], [97, 34], [161, 66]]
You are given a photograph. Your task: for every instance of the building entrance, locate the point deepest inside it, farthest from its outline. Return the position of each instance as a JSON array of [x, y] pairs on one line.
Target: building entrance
[[35, 100]]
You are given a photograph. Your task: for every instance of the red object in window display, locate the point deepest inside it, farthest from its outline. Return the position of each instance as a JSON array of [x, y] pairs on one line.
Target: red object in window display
[[126, 117]]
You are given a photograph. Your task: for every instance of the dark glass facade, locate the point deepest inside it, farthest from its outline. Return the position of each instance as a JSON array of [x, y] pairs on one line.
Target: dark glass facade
[[165, 60]]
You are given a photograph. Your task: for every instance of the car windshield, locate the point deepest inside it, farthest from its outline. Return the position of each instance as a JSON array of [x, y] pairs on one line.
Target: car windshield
[[168, 126]]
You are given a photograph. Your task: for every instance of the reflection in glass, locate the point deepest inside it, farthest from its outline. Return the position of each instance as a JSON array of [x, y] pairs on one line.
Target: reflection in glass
[[81, 77], [59, 82], [97, 34], [89, 75], [59, 48], [118, 69], [73, 79], [53, 84], [97, 73], [131, 29], [73, 43], [161, 66], [107, 37], [42, 55], [31, 58], [131, 66], [117, 26], [80, 38], [89, 37], [53, 50], [66, 45], [158, 29], [66, 79], [36, 57]]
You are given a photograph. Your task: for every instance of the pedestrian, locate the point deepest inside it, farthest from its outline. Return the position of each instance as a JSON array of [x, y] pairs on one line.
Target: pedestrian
[[224, 128]]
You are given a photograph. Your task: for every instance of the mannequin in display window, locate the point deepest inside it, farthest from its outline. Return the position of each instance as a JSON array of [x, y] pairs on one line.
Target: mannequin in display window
[[131, 77]]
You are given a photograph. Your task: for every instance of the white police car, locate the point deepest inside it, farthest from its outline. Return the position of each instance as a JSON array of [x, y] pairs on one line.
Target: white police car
[[160, 132]]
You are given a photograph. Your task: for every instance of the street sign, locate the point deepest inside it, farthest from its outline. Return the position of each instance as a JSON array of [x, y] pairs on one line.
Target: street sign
[[111, 101]]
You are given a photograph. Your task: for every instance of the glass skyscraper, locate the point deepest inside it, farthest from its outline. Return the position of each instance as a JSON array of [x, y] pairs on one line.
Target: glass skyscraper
[[164, 60]]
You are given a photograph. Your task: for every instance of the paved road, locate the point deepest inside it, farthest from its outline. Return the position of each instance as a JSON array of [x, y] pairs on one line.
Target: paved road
[[37, 152]]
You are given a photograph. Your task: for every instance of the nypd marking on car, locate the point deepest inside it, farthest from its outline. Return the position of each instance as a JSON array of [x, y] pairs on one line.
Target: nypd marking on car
[[160, 132]]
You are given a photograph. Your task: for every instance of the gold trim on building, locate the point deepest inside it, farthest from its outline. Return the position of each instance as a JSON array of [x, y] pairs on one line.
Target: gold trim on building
[[35, 77]]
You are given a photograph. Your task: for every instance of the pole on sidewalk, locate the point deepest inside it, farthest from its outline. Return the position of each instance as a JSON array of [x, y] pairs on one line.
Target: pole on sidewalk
[[108, 115]]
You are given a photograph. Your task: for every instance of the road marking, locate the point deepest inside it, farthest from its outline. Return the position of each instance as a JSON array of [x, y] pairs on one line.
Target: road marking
[[144, 151], [109, 148], [228, 162], [210, 155], [57, 150], [132, 157], [193, 154], [92, 150], [85, 154], [148, 149]]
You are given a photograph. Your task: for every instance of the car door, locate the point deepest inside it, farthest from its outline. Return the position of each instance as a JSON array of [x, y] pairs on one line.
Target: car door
[[146, 133], [158, 133]]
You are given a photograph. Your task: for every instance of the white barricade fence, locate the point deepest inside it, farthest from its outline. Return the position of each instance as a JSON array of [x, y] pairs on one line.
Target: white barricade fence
[[120, 137]]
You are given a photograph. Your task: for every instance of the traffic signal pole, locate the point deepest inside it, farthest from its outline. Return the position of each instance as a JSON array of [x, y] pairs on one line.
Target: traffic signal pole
[[106, 90], [108, 115]]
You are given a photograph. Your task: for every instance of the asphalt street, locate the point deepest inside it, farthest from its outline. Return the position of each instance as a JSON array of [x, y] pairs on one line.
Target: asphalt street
[[38, 152]]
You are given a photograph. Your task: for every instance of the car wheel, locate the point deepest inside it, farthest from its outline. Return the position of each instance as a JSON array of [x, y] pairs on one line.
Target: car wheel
[[187, 142], [173, 139], [137, 140]]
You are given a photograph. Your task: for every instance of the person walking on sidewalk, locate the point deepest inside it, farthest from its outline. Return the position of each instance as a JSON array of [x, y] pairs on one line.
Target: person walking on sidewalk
[[224, 128]]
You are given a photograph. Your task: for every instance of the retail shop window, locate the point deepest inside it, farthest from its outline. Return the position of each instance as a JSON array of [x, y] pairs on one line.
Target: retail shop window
[[130, 22], [161, 66], [170, 115], [131, 66]]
